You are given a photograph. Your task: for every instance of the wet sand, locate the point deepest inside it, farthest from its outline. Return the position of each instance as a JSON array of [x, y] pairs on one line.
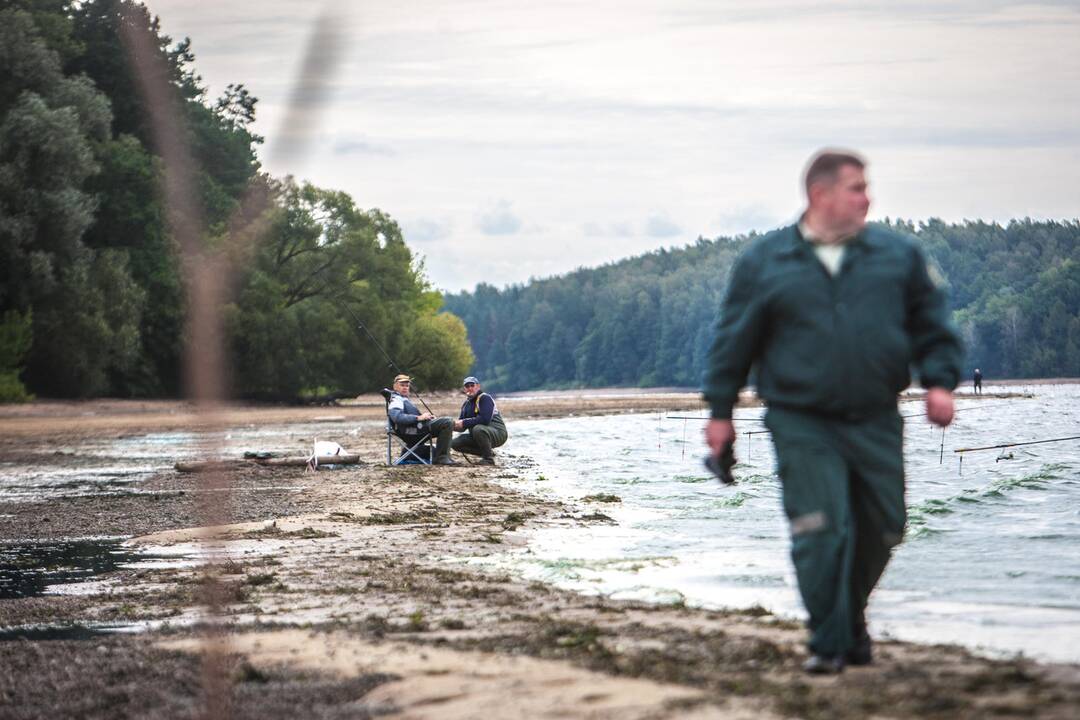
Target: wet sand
[[340, 600]]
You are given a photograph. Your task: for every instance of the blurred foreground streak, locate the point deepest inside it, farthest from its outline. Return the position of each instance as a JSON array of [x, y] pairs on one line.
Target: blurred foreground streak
[[207, 269]]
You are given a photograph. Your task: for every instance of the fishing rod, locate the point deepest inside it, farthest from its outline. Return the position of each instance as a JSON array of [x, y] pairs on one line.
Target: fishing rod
[[700, 417], [961, 451], [1008, 445], [390, 361], [981, 406]]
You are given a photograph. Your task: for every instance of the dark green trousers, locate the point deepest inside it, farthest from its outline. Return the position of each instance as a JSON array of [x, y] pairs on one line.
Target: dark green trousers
[[843, 491], [442, 429], [480, 439]]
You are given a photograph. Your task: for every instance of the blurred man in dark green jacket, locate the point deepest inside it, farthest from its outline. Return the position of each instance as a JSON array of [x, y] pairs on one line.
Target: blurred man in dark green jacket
[[832, 314]]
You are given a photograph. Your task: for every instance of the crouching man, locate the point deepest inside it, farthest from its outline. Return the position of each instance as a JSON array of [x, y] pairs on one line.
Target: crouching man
[[410, 424], [482, 427]]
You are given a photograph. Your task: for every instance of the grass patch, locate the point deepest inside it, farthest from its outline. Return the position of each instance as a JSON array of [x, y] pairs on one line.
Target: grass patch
[[514, 520], [273, 531], [602, 498], [390, 518], [597, 517], [257, 579]]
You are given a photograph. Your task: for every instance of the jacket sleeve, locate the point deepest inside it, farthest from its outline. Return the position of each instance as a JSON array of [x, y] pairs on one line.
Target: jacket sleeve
[[738, 335], [398, 415], [487, 409], [936, 347]]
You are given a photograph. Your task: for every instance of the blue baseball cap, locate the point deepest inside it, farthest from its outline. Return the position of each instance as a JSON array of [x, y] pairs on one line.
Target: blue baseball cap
[[471, 380]]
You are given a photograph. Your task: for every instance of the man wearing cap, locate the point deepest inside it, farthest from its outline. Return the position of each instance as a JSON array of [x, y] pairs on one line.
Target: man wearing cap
[[411, 424], [833, 313], [482, 427]]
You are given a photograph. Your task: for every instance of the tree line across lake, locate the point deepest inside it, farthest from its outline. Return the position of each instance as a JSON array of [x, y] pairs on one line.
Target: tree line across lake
[[648, 321], [92, 296]]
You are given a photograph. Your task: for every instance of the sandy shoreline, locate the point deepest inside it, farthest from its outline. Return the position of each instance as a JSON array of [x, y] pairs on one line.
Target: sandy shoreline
[[342, 600]]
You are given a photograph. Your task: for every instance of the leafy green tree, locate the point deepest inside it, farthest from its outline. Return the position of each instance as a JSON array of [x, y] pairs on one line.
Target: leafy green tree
[[50, 126], [131, 213], [16, 334], [90, 329], [321, 262]]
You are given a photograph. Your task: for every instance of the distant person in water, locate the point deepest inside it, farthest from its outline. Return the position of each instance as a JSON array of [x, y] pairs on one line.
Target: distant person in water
[[978, 381], [482, 427], [832, 313]]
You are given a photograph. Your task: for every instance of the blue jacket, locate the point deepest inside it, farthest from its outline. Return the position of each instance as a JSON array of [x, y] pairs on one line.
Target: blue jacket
[[404, 415], [478, 411]]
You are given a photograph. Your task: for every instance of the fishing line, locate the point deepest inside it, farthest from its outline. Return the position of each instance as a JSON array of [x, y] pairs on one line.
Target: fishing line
[[390, 361]]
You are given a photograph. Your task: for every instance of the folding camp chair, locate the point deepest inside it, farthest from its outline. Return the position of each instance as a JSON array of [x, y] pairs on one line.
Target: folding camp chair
[[416, 450]]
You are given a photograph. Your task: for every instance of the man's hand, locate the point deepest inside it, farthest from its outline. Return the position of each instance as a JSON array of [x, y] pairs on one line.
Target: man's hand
[[719, 433], [459, 425], [939, 406], [423, 417]]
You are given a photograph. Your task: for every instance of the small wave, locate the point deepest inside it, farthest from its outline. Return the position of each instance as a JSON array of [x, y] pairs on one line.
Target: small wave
[[918, 530], [571, 568], [754, 479], [732, 501], [630, 481], [997, 489], [930, 507]]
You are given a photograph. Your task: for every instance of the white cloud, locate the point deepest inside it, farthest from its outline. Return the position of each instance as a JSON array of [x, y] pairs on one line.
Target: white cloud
[[360, 146], [422, 231], [661, 226], [591, 116], [499, 220]]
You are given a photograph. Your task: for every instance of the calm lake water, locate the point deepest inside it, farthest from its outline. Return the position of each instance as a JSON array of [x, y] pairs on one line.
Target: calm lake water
[[991, 559]]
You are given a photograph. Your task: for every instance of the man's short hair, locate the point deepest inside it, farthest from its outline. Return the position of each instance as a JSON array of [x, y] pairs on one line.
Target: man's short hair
[[826, 164]]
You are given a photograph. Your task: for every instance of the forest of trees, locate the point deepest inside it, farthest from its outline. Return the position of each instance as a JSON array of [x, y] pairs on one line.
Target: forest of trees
[[648, 320], [92, 293]]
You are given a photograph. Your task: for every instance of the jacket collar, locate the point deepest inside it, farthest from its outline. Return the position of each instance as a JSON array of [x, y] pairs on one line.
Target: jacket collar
[[793, 242]]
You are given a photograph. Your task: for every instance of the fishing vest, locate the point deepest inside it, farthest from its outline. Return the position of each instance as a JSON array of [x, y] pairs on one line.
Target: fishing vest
[[476, 405]]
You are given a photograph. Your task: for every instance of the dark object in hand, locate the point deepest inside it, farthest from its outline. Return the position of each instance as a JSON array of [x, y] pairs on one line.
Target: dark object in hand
[[721, 466]]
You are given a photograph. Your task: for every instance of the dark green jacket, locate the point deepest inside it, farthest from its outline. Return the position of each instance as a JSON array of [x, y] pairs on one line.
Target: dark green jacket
[[839, 346]]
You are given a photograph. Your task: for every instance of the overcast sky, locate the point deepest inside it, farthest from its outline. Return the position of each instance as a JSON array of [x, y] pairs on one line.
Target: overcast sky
[[520, 139]]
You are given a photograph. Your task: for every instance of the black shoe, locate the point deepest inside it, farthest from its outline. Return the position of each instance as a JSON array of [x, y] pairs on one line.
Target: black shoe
[[486, 461], [445, 461], [862, 653], [824, 665]]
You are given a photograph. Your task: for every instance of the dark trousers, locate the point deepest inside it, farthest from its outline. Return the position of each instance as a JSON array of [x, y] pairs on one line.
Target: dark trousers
[[843, 493], [442, 429], [480, 439]]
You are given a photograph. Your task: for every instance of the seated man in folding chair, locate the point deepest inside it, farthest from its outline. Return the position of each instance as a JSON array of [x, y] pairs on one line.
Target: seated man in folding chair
[[411, 425]]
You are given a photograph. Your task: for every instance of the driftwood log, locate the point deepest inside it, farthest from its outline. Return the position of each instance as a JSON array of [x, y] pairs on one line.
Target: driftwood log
[[211, 465]]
